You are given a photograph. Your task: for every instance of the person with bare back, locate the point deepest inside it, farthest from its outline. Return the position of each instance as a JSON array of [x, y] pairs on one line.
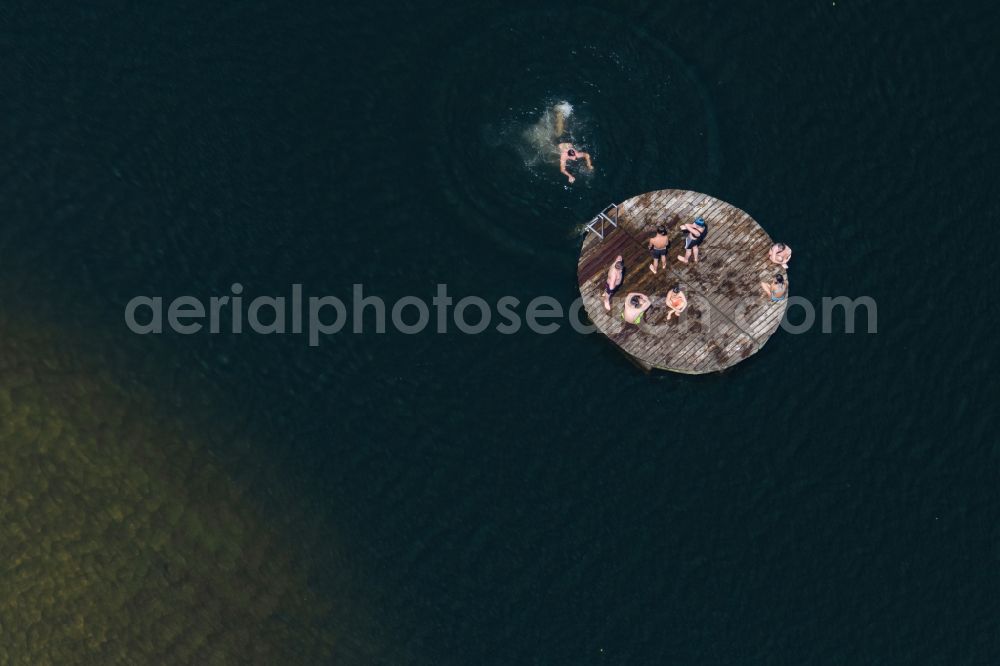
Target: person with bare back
[[567, 151], [780, 254], [615, 276], [635, 306], [658, 245]]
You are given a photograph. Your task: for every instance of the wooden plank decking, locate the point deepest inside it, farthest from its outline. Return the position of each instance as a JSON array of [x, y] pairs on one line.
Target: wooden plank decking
[[728, 318]]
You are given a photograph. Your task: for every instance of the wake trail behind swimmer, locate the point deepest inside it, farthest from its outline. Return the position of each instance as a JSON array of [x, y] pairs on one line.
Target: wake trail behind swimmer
[[562, 111], [551, 136], [564, 143]]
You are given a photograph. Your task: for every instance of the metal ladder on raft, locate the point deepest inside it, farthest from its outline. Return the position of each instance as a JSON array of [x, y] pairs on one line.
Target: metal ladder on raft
[[603, 219]]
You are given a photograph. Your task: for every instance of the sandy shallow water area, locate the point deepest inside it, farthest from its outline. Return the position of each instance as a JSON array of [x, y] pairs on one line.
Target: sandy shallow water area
[[121, 541]]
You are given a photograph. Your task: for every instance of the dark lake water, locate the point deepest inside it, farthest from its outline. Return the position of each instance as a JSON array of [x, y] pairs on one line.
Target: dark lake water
[[491, 499]]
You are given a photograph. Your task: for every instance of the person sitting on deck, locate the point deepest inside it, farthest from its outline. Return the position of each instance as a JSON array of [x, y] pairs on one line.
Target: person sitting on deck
[[777, 289], [780, 254], [615, 276], [635, 306], [567, 153], [696, 234], [676, 301], [658, 245]]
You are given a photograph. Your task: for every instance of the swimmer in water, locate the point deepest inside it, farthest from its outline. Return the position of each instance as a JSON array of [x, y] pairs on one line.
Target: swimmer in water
[[567, 152]]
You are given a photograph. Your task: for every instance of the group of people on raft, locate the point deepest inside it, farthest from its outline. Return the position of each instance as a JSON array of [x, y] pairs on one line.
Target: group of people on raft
[[695, 233]]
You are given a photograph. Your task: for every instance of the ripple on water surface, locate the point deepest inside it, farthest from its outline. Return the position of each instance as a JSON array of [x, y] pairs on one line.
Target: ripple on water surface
[[637, 107]]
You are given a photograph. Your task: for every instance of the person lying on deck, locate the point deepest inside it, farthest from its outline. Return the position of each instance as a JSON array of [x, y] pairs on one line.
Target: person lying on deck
[[780, 254], [615, 276], [635, 306], [676, 301], [658, 245]]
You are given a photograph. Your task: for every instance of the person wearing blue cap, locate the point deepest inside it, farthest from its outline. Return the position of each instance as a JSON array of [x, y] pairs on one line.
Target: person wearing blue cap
[[695, 235]]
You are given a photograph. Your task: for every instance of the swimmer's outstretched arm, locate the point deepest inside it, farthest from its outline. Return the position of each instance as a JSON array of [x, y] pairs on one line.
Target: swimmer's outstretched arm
[[562, 168], [586, 157]]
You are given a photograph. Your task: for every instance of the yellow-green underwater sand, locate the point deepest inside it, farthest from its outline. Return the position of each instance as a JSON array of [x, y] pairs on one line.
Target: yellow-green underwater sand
[[120, 541]]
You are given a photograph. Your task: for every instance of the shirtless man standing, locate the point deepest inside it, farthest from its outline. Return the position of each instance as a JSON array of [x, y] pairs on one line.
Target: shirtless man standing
[[615, 275], [658, 245]]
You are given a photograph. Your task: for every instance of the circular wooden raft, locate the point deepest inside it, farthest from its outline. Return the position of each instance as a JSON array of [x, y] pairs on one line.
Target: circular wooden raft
[[728, 317]]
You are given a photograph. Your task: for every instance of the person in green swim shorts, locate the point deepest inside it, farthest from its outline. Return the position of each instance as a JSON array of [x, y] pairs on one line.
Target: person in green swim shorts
[[636, 305]]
